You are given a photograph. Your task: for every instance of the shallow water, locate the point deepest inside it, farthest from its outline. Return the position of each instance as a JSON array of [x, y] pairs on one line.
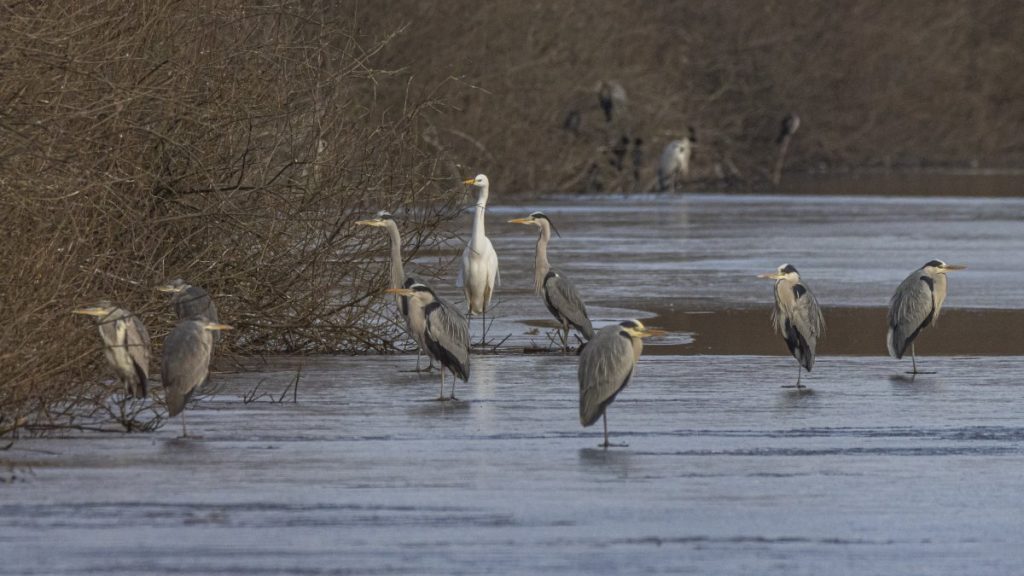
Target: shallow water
[[871, 472]]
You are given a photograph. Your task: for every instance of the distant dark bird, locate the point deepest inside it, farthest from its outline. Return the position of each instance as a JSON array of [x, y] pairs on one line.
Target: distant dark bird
[[572, 122], [560, 295], [790, 124], [796, 316], [916, 305], [190, 301], [789, 127], [125, 345], [447, 331], [606, 366], [610, 95], [399, 279], [639, 158], [186, 362], [619, 153]]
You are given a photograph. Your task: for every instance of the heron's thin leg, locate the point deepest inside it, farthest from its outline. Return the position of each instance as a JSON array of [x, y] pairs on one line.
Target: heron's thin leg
[[604, 418], [483, 316], [418, 354], [184, 432], [913, 357], [452, 397], [798, 374], [441, 395]]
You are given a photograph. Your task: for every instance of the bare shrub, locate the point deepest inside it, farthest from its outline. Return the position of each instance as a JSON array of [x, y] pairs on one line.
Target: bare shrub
[[229, 144]]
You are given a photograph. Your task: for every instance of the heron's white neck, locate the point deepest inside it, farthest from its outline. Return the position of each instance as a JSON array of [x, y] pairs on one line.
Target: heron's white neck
[[478, 218], [541, 265], [397, 272]]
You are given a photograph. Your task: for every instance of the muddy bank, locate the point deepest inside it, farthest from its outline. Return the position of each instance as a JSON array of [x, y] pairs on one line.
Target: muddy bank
[[849, 332]]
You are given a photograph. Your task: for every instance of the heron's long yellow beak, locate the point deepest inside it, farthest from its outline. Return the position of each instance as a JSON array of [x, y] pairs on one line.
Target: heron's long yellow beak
[[953, 267], [167, 288], [376, 222], [400, 291], [645, 332], [217, 327], [770, 275], [92, 311], [469, 181], [521, 221]]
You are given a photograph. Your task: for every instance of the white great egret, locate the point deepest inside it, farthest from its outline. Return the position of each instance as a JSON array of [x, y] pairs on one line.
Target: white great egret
[[478, 275]]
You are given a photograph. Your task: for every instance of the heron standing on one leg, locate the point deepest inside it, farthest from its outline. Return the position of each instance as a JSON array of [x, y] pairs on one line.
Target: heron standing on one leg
[[479, 272], [125, 345], [560, 295], [606, 365], [186, 362], [400, 280], [796, 316], [916, 305], [446, 335]]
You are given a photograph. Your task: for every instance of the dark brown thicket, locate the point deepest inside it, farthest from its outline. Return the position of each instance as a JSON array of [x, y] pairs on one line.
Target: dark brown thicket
[[230, 145], [876, 83]]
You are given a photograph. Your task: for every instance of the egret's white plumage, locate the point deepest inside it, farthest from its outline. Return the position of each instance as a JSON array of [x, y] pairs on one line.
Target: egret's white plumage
[[478, 274], [674, 166]]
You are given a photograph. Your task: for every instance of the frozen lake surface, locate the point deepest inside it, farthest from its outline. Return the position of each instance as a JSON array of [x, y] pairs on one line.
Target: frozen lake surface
[[725, 472]]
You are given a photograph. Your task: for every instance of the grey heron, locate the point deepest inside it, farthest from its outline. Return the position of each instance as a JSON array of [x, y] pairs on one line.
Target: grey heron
[[606, 365], [186, 362], [559, 293], [796, 316], [674, 166], [125, 345], [478, 274], [399, 279], [790, 124], [446, 334], [190, 301], [610, 94], [916, 305]]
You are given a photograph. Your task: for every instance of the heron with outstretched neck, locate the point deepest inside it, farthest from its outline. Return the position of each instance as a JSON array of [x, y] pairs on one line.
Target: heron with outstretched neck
[[399, 279], [478, 274], [559, 294]]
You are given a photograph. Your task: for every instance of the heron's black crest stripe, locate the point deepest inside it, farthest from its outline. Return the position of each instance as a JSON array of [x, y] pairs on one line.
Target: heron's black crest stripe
[[629, 324], [799, 290], [384, 215], [789, 269], [935, 263]]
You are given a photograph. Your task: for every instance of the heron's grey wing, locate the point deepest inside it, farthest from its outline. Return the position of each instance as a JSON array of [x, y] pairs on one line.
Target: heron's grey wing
[[910, 309], [808, 323], [447, 337], [138, 343], [563, 298], [186, 362], [606, 364], [194, 302]]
